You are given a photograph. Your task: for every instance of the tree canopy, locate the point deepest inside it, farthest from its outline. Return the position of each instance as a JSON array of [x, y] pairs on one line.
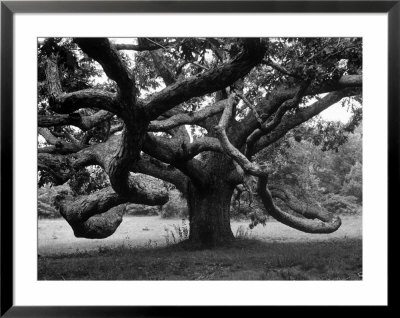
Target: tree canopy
[[197, 113]]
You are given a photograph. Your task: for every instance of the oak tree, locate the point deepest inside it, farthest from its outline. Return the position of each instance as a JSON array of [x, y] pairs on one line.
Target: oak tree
[[191, 112]]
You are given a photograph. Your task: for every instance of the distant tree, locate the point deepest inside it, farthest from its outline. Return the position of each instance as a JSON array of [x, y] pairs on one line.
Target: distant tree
[[236, 96], [312, 169]]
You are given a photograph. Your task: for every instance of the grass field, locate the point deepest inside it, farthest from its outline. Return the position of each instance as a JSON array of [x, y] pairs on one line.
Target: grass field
[[139, 251]]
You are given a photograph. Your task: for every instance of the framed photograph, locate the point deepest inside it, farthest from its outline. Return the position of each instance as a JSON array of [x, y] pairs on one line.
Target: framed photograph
[[161, 155]]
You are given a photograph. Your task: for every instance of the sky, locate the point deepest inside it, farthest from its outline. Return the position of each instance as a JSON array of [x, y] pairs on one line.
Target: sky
[[336, 113]]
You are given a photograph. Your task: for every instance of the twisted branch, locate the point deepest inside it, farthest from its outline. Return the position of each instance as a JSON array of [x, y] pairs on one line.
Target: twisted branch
[[321, 222]]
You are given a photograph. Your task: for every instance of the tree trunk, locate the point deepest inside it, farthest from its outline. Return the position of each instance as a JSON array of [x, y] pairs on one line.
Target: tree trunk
[[209, 214]]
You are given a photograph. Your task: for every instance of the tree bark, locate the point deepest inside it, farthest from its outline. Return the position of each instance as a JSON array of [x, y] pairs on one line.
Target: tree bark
[[209, 214]]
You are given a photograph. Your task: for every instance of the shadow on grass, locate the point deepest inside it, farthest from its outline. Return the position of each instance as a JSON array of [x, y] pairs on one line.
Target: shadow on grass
[[245, 259]]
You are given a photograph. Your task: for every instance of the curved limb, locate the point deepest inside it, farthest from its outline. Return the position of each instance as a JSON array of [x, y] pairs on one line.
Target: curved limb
[[248, 166], [320, 223], [307, 210], [100, 226], [76, 119], [209, 81], [99, 214]]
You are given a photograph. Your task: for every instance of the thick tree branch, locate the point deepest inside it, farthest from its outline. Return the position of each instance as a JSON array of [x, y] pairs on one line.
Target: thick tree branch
[[99, 214], [162, 171], [200, 145], [187, 118], [175, 153], [307, 210], [327, 223], [59, 146], [103, 52], [101, 225], [290, 121], [165, 72], [230, 150], [208, 82], [281, 94], [63, 167], [67, 103], [268, 126], [52, 76], [252, 107], [75, 119]]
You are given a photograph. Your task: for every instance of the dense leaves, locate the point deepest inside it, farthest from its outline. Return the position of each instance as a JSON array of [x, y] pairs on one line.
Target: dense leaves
[[315, 173], [88, 180]]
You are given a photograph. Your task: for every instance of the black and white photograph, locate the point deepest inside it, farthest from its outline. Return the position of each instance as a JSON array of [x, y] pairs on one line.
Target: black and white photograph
[[199, 158]]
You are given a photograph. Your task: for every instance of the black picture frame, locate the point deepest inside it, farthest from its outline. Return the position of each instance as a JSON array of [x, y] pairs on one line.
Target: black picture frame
[[9, 8]]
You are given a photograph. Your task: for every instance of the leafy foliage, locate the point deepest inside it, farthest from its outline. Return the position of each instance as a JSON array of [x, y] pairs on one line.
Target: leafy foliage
[[315, 174], [88, 180]]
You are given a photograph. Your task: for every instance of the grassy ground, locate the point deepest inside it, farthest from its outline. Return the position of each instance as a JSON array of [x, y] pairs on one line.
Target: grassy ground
[[244, 260], [56, 237], [271, 253]]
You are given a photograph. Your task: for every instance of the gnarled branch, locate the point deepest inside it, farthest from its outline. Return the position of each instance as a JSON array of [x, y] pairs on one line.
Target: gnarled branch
[[67, 103], [75, 119], [249, 167], [326, 223], [101, 50], [208, 82], [187, 118], [290, 121], [283, 93], [268, 126], [59, 146]]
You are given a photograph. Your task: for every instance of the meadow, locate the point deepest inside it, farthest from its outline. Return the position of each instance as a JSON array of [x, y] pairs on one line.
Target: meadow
[[152, 248]]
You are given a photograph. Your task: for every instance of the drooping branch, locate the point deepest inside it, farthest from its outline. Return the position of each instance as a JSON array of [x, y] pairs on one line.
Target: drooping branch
[[325, 223], [208, 82], [310, 211], [96, 215], [99, 214], [84, 207], [101, 225]]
